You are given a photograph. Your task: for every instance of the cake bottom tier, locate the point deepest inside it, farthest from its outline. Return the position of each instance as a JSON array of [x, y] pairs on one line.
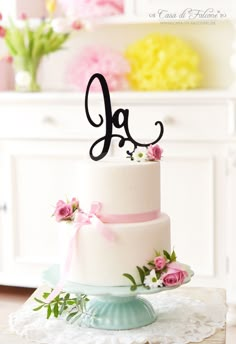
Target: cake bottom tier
[[98, 261]]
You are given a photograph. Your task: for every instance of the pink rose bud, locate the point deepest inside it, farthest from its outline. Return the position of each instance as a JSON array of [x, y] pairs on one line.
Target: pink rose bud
[[2, 32], [23, 16], [160, 263], [154, 152], [76, 25], [64, 212], [174, 276], [0, 16]]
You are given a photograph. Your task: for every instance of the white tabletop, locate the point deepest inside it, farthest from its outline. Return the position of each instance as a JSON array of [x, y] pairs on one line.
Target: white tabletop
[[208, 295]]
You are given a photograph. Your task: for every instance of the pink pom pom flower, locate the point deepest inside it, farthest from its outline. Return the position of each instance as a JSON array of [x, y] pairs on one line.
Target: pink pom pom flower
[[111, 64], [92, 8]]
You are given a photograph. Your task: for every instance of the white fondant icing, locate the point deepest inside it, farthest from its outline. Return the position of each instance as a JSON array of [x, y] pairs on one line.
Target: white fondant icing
[[97, 261], [123, 187]]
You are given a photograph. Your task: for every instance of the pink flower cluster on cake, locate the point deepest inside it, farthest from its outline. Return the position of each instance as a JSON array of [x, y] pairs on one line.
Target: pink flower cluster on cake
[[65, 211], [97, 59], [150, 153], [166, 271], [162, 271], [93, 8]]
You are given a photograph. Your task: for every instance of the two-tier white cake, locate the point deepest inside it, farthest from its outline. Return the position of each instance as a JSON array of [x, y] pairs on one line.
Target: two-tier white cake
[[129, 195]]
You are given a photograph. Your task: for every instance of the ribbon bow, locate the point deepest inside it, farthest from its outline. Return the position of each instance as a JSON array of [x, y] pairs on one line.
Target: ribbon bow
[[82, 218], [92, 217]]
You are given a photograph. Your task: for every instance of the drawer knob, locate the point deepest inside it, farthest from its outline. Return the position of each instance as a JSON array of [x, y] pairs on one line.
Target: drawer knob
[[48, 120], [3, 207], [169, 120]]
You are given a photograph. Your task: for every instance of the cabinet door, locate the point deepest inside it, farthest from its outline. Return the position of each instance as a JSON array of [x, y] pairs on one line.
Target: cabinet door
[[2, 209], [193, 195], [231, 218], [38, 174]]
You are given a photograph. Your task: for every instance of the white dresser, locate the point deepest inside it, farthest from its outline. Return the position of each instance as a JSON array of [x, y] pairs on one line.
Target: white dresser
[[42, 137]]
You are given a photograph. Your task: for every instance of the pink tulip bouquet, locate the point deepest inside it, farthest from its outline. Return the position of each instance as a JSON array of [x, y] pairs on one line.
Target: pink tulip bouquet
[[28, 40]]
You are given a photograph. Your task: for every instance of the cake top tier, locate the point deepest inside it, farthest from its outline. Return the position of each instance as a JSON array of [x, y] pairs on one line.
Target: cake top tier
[[121, 186]]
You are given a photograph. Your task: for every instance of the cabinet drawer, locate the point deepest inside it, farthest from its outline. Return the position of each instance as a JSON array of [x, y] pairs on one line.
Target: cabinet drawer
[[46, 121], [183, 122]]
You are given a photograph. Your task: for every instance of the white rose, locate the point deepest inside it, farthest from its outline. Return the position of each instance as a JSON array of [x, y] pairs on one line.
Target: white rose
[[60, 25]]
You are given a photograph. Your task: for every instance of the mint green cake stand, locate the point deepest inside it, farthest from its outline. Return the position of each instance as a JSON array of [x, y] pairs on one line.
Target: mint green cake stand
[[111, 308]]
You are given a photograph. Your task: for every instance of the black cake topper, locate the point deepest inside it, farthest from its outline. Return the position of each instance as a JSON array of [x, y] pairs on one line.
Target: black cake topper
[[115, 120]]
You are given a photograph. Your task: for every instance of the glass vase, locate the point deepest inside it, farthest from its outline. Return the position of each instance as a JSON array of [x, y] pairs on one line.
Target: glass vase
[[26, 70]]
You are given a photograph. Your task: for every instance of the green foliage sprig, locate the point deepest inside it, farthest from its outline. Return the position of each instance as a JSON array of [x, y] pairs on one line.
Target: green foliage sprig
[[145, 270], [64, 303]]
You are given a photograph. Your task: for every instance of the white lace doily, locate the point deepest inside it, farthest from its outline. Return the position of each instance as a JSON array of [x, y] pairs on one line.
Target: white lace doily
[[180, 320]]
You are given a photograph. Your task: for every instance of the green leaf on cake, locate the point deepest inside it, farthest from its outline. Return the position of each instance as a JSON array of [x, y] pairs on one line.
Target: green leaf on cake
[[38, 308], [133, 287], [141, 274], [132, 280], [63, 303], [49, 311], [56, 310], [70, 302], [173, 256], [71, 315], [146, 270], [166, 254], [151, 264], [45, 295], [40, 301]]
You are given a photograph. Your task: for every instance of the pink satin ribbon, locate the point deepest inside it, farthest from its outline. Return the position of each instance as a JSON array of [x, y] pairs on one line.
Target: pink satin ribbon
[[130, 218], [98, 221]]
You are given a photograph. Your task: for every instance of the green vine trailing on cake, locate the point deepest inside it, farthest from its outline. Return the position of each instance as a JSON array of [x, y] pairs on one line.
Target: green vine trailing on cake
[[64, 303], [162, 271]]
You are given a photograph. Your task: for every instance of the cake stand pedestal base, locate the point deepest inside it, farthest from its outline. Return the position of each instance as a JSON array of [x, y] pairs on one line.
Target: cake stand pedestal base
[[111, 308], [118, 313]]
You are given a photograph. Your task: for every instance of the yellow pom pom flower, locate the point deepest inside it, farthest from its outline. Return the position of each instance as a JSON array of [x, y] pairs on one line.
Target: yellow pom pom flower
[[162, 62]]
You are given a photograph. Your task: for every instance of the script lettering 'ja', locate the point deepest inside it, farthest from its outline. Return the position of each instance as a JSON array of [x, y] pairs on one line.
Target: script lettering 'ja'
[[118, 120]]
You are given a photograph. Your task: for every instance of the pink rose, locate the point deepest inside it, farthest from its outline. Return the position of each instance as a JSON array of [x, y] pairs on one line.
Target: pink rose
[[154, 153], [63, 211], [160, 262], [174, 276]]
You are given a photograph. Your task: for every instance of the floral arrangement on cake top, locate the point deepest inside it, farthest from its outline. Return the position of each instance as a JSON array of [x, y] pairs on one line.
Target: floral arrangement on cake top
[[65, 211], [162, 271], [163, 62], [98, 59], [150, 153]]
